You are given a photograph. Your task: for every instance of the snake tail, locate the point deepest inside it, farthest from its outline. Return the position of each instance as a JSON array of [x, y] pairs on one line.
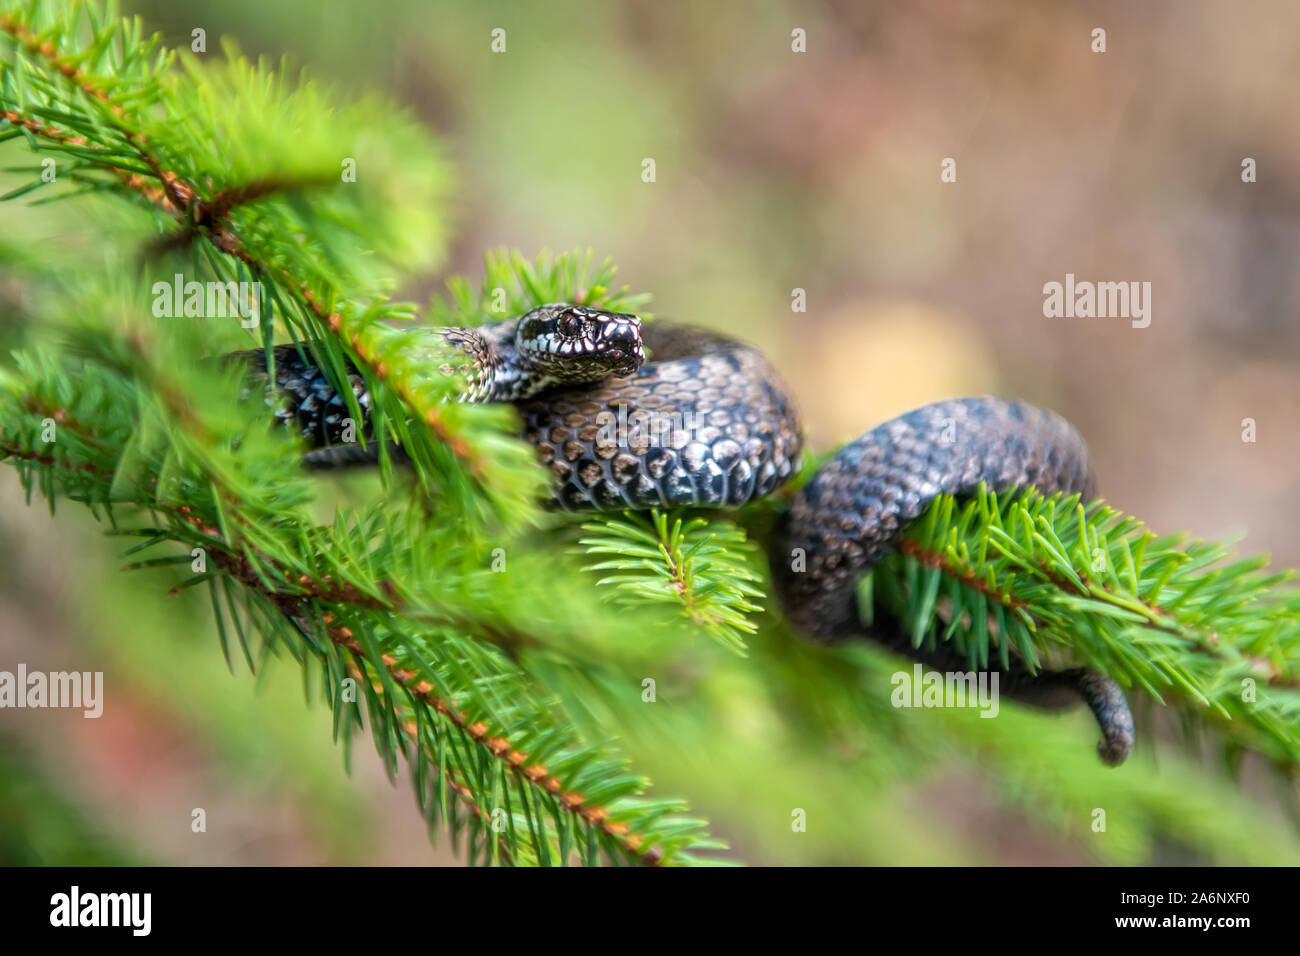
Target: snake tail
[[858, 505], [1045, 690]]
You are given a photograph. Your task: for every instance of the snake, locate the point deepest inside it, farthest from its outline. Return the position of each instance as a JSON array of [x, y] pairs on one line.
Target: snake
[[633, 415]]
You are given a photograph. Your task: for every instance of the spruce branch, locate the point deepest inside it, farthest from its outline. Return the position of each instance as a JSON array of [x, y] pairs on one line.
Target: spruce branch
[[142, 427], [251, 240], [703, 566], [405, 689], [512, 285], [1045, 576]]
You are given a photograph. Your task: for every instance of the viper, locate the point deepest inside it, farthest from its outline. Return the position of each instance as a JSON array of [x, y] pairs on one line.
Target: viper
[[632, 416]]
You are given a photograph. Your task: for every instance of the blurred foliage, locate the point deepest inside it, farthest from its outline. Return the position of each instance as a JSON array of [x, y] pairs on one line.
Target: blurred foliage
[[40, 827]]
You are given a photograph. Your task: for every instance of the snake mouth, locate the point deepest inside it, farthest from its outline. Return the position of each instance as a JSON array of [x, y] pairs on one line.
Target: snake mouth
[[621, 361]]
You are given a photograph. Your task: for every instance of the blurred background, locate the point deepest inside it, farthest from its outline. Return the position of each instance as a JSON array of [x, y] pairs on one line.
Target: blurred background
[[775, 171]]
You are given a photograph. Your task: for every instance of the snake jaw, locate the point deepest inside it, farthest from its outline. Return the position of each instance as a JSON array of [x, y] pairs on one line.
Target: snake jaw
[[621, 335]]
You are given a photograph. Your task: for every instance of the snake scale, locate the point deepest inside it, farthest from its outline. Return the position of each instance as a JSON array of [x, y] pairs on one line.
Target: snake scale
[[707, 422]]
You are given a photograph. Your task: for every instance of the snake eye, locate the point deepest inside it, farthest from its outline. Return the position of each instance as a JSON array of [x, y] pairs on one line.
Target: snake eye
[[571, 325]]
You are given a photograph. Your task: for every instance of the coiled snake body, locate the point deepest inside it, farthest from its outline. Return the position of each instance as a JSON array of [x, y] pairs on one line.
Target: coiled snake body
[[707, 422]]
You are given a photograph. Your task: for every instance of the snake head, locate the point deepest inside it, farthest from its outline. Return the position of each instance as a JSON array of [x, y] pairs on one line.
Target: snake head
[[572, 344]]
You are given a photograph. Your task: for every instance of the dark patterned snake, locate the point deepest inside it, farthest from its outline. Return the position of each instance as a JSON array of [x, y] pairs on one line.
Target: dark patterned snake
[[708, 423]]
